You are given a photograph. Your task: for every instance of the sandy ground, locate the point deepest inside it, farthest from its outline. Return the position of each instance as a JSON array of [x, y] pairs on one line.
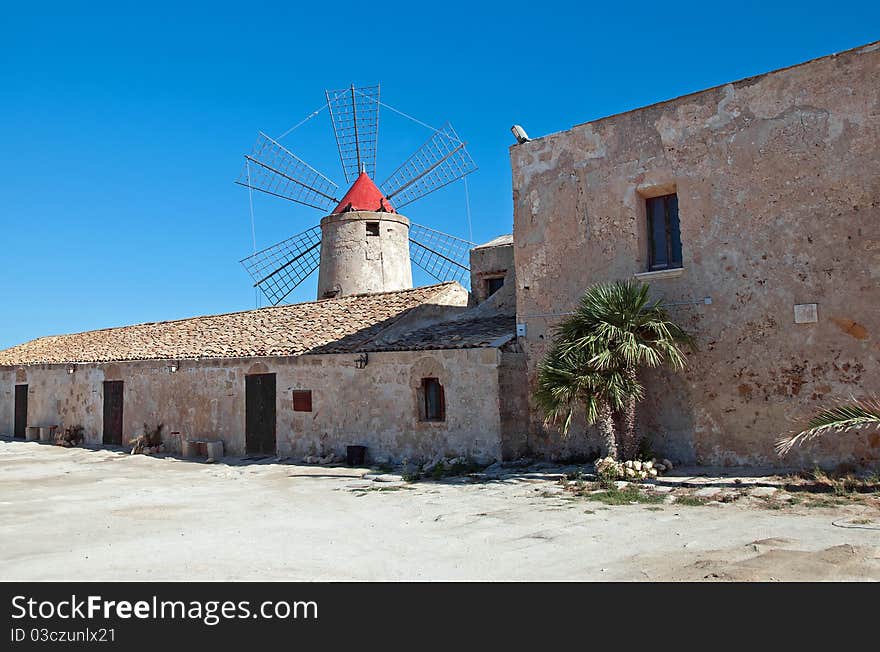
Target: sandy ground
[[76, 514]]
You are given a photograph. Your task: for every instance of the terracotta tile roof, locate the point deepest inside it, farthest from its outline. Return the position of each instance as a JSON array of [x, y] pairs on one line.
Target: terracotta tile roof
[[275, 331], [475, 332]]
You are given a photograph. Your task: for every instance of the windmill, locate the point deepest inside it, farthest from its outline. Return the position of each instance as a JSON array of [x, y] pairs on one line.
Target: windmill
[[363, 244]]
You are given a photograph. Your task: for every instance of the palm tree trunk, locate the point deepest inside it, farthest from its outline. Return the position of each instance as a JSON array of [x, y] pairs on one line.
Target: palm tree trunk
[[629, 443], [605, 423]]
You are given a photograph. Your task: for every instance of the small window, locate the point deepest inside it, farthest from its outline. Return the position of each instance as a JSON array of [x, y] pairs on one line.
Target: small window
[[663, 233], [373, 229], [302, 400], [434, 400], [493, 285]]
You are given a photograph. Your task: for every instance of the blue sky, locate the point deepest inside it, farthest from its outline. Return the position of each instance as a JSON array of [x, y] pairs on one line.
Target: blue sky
[[123, 126]]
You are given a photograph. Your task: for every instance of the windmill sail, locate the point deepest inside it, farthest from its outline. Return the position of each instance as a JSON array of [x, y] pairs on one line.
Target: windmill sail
[[440, 161], [275, 170], [443, 256], [355, 116], [278, 269]]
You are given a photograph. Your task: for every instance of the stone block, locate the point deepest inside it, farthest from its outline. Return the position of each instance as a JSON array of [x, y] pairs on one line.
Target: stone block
[[189, 448], [215, 450]]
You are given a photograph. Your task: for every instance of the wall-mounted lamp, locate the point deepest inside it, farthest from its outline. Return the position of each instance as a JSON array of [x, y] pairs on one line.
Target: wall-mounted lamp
[[71, 369], [173, 367], [520, 134], [361, 361]]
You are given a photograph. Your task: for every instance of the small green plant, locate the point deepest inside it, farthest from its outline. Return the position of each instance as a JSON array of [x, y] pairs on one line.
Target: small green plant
[[646, 450], [411, 475], [690, 501], [626, 496], [442, 469], [608, 471]]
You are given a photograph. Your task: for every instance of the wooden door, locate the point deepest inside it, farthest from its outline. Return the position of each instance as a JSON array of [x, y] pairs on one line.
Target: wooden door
[[21, 392], [113, 412], [260, 414]]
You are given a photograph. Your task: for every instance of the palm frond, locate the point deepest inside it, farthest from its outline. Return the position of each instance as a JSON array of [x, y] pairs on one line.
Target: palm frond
[[857, 414]]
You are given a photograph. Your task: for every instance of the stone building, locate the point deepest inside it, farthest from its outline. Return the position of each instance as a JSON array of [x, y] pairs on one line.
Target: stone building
[[754, 209], [407, 372]]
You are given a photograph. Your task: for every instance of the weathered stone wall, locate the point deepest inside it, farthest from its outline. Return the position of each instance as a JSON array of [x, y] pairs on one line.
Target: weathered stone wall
[[492, 261], [376, 406], [353, 262], [514, 405], [778, 181]]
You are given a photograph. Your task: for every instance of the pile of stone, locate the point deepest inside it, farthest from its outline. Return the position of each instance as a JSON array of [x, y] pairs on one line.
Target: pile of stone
[[142, 446], [69, 437], [149, 443], [444, 463], [631, 469], [330, 458]]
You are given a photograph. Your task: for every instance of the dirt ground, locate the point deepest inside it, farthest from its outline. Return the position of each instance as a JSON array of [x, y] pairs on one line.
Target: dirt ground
[[77, 514]]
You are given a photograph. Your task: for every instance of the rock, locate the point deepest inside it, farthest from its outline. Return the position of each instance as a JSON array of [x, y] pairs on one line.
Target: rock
[[643, 474], [384, 477], [660, 468], [660, 489], [708, 492], [495, 469], [666, 463], [630, 473], [763, 492], [628, 464], [652, 473], [647, 466], [620, 484], [637, 465]]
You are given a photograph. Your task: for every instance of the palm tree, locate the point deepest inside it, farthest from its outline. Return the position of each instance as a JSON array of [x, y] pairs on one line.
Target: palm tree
[[595, 358], [843, 418]]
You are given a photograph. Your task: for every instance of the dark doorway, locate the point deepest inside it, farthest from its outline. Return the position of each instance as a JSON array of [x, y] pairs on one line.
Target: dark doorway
[[113, 412], [260, 414], [20, 411]]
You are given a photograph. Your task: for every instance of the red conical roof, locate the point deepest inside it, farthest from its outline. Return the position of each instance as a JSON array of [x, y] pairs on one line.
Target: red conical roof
[[364, 196]]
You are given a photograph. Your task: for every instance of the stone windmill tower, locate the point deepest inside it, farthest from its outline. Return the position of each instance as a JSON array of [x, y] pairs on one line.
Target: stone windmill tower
[[363, 244]]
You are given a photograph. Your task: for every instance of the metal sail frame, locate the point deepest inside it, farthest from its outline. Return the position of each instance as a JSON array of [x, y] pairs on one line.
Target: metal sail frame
[[279, 172], [441, 255], [273, 169], [354, 115], [277, 270], [442, 159]]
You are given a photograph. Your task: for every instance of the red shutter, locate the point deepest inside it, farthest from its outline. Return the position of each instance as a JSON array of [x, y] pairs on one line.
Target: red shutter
[[302, 400]]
